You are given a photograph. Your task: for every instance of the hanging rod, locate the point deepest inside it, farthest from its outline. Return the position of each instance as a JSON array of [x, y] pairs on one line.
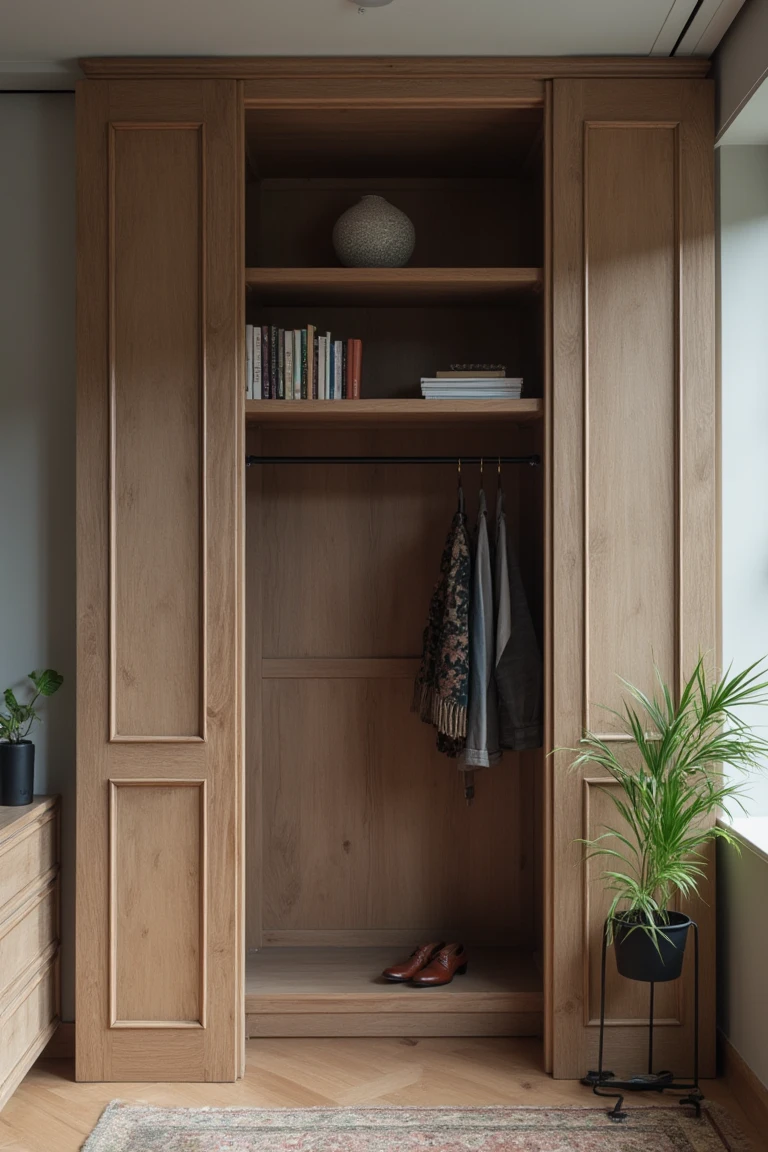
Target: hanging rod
[[490, 459]]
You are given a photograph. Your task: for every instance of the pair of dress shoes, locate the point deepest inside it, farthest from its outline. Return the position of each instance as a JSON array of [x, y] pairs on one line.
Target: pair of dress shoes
[[430, 965]]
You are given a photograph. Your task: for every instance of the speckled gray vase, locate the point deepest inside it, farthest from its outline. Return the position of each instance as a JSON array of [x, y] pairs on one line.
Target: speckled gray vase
[[374, 234]]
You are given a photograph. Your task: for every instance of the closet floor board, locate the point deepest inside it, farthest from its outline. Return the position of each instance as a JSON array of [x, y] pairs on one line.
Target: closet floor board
[[348, 980]]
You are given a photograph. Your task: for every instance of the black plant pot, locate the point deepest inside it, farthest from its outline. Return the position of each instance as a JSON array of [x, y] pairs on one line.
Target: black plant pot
[[641, 957], [17, 773]]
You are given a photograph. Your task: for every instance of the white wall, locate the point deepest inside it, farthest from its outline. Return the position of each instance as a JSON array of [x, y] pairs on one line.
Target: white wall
[[742, 882], [37, 438], [744, 357]]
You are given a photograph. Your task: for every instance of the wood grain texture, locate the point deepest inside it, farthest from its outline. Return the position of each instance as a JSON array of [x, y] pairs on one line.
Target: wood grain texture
[[51, 1111], [362, 413], [157, 482], [290, 219], [347, 835], [348, 980], [419, 1025], [157, 897], [29, 936], [610, 140], [631, 390], [397, 73], [27, 1022], [29, 931], [360, 140], [405, 669], [29, 849], [401, 286], [166, 111]]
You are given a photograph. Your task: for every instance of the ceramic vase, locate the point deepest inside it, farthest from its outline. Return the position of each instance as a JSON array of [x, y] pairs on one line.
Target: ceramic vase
[[373, 234]]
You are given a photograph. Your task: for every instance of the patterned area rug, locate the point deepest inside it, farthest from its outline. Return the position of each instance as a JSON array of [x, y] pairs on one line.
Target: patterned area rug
[[128, 1128]]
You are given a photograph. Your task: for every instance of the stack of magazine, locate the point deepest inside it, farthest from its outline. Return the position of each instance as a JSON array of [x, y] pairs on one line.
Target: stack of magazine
[[467, 382]]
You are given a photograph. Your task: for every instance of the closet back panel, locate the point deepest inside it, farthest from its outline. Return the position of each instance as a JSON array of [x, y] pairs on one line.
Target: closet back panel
[[363, 829]]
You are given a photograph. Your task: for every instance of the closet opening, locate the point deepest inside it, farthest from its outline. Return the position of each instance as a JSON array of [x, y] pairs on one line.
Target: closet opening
[[360, 844]]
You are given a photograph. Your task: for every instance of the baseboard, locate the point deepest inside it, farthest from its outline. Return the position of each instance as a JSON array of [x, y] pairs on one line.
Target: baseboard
[[61, 1045], [750, 1092], [415, 1024]]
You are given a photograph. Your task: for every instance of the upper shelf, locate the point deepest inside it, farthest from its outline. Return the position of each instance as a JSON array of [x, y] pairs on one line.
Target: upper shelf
[[392, 286], [362, 413]]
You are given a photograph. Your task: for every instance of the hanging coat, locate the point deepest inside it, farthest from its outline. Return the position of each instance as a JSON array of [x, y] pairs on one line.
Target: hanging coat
[[482, 747], [442, 683], [518, 670]]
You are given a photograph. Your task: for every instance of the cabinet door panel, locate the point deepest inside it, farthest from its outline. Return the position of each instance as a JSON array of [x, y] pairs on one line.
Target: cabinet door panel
[[159, 469], [634, 483]]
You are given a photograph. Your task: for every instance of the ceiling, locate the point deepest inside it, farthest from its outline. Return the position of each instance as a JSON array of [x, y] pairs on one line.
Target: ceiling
[[41, 40]]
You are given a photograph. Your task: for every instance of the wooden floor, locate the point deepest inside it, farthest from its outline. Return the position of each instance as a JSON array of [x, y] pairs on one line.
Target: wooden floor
[[51, 1113]]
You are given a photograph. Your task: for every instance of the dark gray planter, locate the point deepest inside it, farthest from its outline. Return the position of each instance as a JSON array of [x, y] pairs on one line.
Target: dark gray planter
[[640, 957], [17, 773]]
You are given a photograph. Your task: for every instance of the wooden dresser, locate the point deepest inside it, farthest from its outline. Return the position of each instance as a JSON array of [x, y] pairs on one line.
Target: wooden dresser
[[29, 936]]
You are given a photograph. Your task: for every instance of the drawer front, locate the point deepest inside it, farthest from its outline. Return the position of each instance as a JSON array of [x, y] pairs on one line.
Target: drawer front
[[30, 932], [23, 1027], [26, 858]]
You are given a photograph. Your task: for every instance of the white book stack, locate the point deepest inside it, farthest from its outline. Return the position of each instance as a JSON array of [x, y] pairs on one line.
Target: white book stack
[[472, 388]]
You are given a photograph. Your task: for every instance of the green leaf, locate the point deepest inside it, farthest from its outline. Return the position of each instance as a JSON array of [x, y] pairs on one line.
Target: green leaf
[[11, 702], [47, 682]]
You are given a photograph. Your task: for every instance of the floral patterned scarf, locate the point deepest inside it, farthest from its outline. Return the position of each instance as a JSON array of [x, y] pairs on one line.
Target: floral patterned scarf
[[441, 690]]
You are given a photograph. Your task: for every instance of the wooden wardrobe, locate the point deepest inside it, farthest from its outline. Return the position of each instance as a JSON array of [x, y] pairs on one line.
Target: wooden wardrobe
[[262, 821]]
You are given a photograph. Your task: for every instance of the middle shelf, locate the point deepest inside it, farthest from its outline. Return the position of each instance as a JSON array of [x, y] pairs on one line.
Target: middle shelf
[[393, 286]]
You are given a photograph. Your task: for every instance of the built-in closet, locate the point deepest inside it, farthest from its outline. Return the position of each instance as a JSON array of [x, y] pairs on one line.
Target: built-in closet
[[264, 823], [359, 841]]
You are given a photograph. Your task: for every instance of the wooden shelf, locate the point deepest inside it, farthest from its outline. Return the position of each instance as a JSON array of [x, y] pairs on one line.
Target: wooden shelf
[[392, 286], [348, 980], [371, 413]]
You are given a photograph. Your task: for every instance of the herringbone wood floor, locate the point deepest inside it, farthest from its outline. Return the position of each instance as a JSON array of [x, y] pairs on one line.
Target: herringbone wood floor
[[51, 1113]]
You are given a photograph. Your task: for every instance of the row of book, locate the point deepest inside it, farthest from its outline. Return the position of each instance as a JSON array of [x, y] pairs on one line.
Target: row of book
[[300, 364], [472, 385]]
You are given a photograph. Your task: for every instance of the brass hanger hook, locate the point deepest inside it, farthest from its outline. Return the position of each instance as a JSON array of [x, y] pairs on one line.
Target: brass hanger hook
[[481, 474]]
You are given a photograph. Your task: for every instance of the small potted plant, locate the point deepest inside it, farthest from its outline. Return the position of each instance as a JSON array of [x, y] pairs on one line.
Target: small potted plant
[[670, 789], [17, 754]]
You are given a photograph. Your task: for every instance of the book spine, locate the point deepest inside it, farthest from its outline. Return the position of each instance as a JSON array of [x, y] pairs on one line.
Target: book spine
[[356, 370], [321, 367], [328, 378], [296, 384], [337, 369], [344, 364], [315, 365], [332, 370], [280, 364], [265, 380], [289, 364], [273, 334], [249, 361], [304, 366], [256, 382]]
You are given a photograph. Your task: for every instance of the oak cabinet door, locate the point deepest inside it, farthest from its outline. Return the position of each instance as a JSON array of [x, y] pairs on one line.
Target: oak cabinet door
[[159, 460], [634, 501]]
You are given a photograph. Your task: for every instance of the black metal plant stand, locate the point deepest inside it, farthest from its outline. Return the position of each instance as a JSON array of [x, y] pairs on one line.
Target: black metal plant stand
[[605, 1083]]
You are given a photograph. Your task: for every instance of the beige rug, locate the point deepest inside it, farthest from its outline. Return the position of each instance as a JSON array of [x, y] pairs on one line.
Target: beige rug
[[130, 1128]]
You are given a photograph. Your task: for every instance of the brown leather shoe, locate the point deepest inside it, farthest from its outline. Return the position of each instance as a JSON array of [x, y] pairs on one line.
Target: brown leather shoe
[[449, 961], [417, 960]]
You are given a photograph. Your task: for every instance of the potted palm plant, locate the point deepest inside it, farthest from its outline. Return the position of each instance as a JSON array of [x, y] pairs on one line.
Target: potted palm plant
[[17, 754], [671, 787]]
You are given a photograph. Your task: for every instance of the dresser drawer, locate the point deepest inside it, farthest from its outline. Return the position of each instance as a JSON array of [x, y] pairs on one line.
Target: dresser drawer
[[30, 933], [26, 855], [25, 1026]]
